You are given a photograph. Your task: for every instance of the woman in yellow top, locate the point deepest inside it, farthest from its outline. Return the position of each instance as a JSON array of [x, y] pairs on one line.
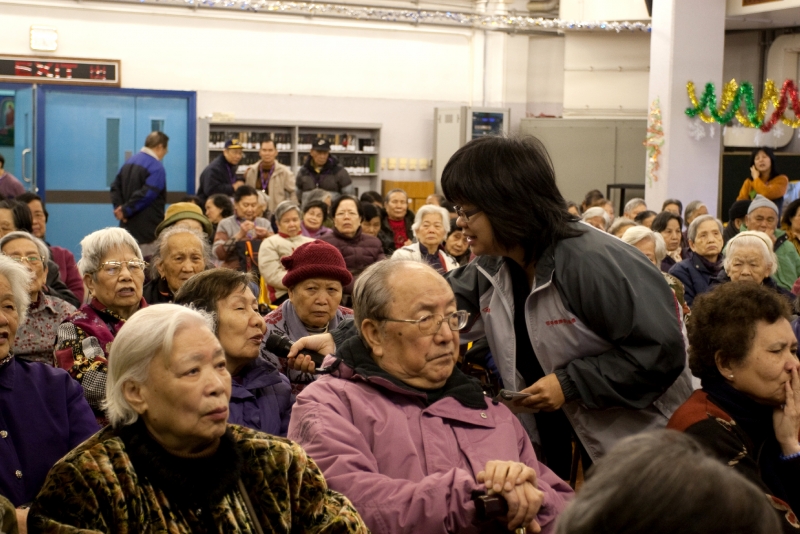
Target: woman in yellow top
[[764, 178]]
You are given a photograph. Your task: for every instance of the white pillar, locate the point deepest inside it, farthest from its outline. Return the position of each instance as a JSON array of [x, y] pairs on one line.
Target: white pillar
[[687, 44]]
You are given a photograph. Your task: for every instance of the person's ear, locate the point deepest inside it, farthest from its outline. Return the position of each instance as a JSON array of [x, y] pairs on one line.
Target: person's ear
[[160, 268], [691, 245], [723, 367], [88, 279], [132, 391], [373, 335]]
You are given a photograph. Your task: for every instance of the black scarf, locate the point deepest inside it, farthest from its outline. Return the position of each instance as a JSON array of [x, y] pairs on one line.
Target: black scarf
[[466, 390], [713, 268]]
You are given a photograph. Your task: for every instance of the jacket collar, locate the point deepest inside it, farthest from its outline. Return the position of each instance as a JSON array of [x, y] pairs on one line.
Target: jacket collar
[[356, 356], [101, 308], [256, 375], [340, 235]]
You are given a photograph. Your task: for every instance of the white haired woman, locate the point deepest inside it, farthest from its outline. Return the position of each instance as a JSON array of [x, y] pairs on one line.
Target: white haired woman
[[113, 269], [170, 461], [181, 253], [596, 217], [37, 333], [43, 414], [749, 258], [430, 227]]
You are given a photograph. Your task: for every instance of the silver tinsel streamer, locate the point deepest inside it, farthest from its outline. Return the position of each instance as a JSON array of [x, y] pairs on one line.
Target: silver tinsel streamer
[[508, 22]]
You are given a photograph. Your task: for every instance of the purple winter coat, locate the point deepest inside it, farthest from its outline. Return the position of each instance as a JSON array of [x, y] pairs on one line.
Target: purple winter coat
[[359, 252], [406, 467], [261, 398]]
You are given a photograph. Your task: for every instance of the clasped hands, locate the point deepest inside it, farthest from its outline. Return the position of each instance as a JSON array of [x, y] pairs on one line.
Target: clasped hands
[[517, 484]]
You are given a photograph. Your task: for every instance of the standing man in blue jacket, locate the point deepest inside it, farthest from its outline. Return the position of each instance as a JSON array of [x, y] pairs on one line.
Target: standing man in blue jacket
[[139, 191]]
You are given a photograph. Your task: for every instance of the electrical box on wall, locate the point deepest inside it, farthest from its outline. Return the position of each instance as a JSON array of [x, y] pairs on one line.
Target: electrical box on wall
[[454, 127]]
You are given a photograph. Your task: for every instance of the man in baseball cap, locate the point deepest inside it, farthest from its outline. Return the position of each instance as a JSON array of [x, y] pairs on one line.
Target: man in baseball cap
[[220, 175], [322, 171]]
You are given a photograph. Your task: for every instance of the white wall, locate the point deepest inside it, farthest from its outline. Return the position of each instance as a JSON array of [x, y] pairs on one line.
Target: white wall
[[545, 93], [604, 10]]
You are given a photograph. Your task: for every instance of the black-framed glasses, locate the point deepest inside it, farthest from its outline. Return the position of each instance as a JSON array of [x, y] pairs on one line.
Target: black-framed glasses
[[466, 214], [430, 324], [30, 260], [114, 268]]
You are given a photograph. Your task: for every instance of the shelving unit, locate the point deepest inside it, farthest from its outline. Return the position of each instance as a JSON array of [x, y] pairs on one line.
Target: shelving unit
[[355, 145]]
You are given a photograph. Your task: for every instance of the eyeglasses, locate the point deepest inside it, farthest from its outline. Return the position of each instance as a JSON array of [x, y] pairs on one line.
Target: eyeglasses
[[114, 268], [466, 214], [430, 324], [30, 260]]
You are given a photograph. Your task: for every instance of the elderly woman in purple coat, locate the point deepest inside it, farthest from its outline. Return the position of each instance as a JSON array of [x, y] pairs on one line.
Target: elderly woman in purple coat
[[315, 275], [260, 396]]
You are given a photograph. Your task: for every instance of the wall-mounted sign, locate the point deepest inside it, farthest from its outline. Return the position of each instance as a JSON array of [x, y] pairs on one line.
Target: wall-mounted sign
[[67, 71], [44, 38]]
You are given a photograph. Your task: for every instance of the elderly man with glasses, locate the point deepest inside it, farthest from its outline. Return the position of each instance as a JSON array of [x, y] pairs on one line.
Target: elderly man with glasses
[[403, 433], [113, 269]]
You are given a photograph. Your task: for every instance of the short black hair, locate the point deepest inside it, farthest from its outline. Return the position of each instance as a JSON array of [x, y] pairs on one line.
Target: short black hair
[[223, 202], [244, 191], [773, 169], [642, 215], [194, 199], [662, 219], [205, 289], [592, 199], [371, 196], [789, 212], [359, 208], [2, 161], [316, 204], [512, 181], [672, 201], [155, 139], [724, 321], [23, 220], [369, 211], [28, 196]]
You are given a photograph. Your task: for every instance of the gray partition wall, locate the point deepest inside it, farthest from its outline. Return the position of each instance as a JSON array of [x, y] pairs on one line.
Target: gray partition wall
[[592, 153]]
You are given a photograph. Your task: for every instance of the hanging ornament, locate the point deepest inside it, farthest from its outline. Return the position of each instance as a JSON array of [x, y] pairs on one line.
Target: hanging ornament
[[654, 140], [696, 130]]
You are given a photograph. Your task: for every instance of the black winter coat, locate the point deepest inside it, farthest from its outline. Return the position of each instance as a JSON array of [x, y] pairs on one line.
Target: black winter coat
[[387, 236], [218, 177], [359, 252], [331, 177]]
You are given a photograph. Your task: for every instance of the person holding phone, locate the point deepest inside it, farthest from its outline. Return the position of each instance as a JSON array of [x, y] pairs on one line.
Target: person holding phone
[[764, 178]]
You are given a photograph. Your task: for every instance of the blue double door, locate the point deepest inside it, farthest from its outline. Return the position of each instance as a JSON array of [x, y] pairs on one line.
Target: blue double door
[[83, 137]]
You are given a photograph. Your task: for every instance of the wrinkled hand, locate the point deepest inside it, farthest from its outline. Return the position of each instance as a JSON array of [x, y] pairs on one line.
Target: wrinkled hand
[[517, 484], [245, 227], [262, 233], [546, 394], [22, 520], [322, 343], [786, 419], [302, 363], [754, 172], [118, 213]]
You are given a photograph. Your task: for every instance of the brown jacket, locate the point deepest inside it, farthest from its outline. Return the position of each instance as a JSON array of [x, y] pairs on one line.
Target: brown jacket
[[281, 186]]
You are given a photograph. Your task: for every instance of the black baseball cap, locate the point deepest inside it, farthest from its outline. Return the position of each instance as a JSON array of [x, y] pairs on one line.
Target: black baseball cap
[[322, 145], [233, 143]]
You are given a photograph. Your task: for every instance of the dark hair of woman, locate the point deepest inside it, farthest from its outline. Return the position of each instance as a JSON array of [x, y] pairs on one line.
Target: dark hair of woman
[[316, 204], [369, 211], [23, 220], [662, 219], [513, 183], [194, 199], [641, 216], [593, 198], [672, 201], [724, 322], [789, 212], [773, 167], [371, 196], [244, 191], [204, 290], [223, 202], [359, 208]]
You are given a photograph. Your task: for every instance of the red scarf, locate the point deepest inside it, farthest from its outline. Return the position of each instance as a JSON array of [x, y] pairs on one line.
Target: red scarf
[[399, 230]]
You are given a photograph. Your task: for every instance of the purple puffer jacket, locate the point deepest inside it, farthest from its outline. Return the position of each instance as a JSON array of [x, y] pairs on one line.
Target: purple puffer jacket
[[406, 467], [261, 398], [359, 252]]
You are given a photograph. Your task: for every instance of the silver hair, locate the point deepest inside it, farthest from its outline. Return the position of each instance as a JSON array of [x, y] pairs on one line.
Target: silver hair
[[596, 212], [692, 232], [633, 203], [635, 234], [429, 209], [96, 245], [619, 223], [751, 238], [285, 207], [44, 251], [19, 278], [316, 195], [263, 198], [692, 207], [148, 333], [393, 191], [163, 241]]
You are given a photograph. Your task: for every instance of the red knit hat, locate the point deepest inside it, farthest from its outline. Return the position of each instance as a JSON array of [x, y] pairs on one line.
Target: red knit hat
[[316, 259]]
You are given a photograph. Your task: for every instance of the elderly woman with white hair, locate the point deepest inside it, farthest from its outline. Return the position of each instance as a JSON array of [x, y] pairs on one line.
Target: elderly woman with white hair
[[705, 263], [749, 258], [181, 253], [36, 335], [430, 227], [170, 462], [596, 217], [113, 269], [43, 414]]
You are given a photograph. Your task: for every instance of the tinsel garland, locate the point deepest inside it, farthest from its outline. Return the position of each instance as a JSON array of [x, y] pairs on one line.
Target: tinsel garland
[[654, 141], [736, 97], [506, 22]]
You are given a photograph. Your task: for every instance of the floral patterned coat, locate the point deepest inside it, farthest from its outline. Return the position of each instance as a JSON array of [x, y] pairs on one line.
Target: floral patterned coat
[[122, 481]]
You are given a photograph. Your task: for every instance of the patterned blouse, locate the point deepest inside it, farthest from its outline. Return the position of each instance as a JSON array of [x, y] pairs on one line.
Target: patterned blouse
[[36, 337]]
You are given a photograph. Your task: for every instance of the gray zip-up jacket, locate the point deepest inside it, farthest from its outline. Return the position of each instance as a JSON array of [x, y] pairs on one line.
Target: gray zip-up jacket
[[602, 318]]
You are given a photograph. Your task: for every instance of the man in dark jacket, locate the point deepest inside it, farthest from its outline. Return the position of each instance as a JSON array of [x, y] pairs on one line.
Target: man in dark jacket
[[139, 192], [322, 171], [220, 175]]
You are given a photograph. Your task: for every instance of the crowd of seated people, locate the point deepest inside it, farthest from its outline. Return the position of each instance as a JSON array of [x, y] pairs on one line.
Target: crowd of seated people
[[146, 394]]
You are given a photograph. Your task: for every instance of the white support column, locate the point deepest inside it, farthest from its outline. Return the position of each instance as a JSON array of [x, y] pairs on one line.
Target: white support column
[[687, 44]]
